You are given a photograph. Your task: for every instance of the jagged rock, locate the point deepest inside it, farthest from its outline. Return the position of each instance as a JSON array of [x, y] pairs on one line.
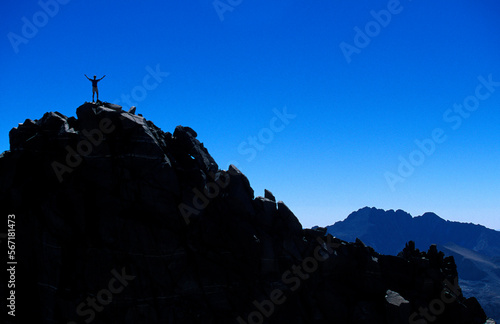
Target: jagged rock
[[112, 106], [120, 222], [398, 308], [269, 195], [475, 248]]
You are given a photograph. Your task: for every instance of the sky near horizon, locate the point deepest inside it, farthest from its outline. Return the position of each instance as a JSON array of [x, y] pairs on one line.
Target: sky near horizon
[[331, 105]]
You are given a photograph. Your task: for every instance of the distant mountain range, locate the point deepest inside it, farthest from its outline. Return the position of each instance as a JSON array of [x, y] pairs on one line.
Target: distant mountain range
[[476, 249]]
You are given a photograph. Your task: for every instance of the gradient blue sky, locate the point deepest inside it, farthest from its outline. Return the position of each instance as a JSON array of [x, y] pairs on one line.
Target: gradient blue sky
[[231, 71]]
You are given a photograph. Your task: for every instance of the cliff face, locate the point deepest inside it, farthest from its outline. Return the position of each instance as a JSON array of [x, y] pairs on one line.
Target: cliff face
[[119, 222]]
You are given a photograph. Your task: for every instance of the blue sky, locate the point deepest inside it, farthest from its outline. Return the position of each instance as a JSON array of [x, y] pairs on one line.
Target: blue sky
[[321, 102]]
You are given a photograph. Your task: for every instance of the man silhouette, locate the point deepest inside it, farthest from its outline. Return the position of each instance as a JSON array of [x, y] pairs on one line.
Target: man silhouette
[[94, 86]]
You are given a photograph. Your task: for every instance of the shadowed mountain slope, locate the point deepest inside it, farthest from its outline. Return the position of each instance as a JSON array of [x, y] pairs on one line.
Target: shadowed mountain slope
[[475, 248], [119, 222]]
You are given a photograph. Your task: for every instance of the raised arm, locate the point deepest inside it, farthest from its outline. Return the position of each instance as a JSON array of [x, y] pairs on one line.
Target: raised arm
[[102, 77], [87, 77]]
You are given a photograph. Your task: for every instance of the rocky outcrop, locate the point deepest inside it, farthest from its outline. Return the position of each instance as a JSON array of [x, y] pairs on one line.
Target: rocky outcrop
[[475, 248], [120, 222]]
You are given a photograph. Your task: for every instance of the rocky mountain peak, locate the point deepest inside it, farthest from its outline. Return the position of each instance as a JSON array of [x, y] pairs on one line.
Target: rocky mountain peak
[[118, 221]]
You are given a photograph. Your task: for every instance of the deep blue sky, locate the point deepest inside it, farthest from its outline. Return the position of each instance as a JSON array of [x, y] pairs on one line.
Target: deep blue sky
[[356, 115]]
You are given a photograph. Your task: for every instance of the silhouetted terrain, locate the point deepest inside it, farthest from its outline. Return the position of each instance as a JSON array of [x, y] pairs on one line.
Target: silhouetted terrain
[[475, 248], [120, 222]]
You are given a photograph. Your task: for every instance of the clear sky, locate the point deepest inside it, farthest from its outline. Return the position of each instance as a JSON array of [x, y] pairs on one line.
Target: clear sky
[[332, 105]]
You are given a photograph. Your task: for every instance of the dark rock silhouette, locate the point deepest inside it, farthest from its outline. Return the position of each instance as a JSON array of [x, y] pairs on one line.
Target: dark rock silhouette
[[120, 222], [475, 248]]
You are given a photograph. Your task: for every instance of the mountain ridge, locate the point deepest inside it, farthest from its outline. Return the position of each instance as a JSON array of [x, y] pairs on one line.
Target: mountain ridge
[[118, 221], [379, 216], [475, 248]]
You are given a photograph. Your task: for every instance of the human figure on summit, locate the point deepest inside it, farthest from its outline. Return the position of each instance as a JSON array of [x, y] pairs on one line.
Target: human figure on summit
[[94, 86]]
